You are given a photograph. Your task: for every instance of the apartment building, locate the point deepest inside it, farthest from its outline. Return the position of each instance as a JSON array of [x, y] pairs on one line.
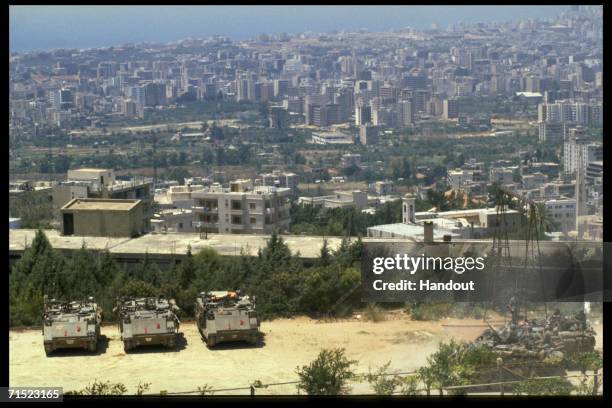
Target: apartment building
[[242, 208]]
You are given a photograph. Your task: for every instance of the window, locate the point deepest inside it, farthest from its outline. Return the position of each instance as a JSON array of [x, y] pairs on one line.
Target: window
[[252, 206], [180, 225], [236, 205], [236, 219], [253, 220]]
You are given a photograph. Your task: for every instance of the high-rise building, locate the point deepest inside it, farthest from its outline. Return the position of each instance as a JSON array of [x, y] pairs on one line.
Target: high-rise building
[[450, 109], [368, 134], [551, 132], [363, 115], [405, 113]]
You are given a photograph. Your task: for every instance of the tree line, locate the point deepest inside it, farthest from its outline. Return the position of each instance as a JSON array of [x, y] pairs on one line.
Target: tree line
[[282, 283]]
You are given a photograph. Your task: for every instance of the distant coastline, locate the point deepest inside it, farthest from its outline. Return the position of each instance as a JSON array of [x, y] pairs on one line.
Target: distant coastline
[[43, 28]]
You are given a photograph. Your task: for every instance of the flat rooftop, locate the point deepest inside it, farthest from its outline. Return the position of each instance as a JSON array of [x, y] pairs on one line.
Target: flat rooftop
[[89, 169], [224, 244], [159, 244], [89, 204]]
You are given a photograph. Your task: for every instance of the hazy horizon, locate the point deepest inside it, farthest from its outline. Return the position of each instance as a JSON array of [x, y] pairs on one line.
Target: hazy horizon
[[38, 28]]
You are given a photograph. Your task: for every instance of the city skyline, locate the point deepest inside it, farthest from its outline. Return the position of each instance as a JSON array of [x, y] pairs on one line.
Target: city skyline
[[39, 28]]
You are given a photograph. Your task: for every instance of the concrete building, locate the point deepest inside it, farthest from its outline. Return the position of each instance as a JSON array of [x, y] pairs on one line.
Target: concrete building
[[368, 135], [281, 179], [405, 113], [535, 180], [350, 160], [340, 199], [102, 218], [102, 183], [563, 213], [278, 117], [464, 178], [551, 132], [326, 138], [177, 196], [450, 109], [590, 228], [502, 175], [410, 228], [382, 188], [173, 221], [573, 147], [243, 208], [363, 115]]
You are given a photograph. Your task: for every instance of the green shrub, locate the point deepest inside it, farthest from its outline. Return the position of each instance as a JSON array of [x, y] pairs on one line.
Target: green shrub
[[327, 374]]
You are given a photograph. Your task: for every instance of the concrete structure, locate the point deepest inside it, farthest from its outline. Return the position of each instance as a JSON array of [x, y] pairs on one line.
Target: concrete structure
[[368, 134], [281, 179], [340, 199], [102, 218], [103, 177], [177, 196], [594, 172], [535, 180], [589, 151], [102, 183], [450, 109], [325, 138], [243, 208], [173, 221], [465, 224], [590, 227], [350, 160], [502, 175], [382, 188], [551, 132], [563, 212]]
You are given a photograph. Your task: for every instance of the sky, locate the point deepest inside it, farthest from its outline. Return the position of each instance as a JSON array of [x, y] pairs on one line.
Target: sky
[[47, 27]]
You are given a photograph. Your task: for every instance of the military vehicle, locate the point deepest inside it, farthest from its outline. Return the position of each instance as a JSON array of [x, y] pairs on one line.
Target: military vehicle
[[224, 316], [537, 347], [73, 324], [147, 321]]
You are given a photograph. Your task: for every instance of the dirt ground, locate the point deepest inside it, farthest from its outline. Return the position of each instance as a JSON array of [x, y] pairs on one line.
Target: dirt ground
[[288, 343]]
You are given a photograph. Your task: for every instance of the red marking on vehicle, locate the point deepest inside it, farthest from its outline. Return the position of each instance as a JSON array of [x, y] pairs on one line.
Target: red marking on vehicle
[[242, 322], [78, 328], [146, 330], [65, 333], [158, 325]]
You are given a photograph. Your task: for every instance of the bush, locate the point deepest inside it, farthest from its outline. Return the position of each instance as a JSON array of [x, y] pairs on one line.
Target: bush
[[327, 374], [383, 382], [428, 311], [455, 364], [101, 388], [548, 386]]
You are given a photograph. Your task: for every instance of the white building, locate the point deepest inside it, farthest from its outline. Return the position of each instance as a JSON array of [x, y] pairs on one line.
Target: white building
[[563, 213], [243, 208], [340, 199], [590, 152], [325, 138]]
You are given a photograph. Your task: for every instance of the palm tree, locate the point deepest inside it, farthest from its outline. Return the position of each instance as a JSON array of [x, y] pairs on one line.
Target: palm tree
[[544, 219]]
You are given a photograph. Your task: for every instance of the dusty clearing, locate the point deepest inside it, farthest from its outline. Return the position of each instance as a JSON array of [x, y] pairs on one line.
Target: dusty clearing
[[288, 343]]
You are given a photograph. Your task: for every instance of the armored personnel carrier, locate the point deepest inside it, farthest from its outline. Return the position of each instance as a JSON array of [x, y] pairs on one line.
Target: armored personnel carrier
[[147, 321], [224, 316], [73, 324]]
